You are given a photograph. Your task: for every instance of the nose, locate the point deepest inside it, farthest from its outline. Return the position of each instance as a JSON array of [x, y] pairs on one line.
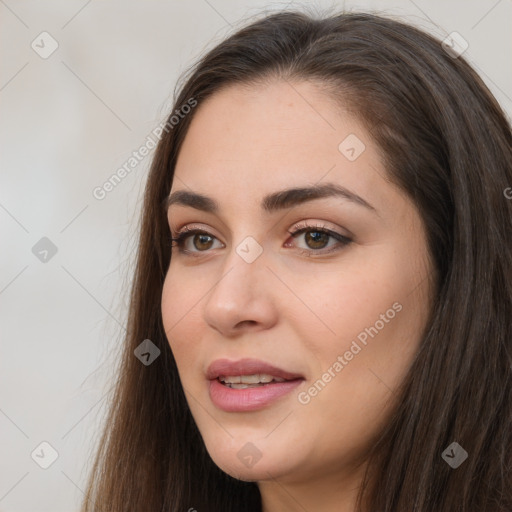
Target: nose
[[241, 299]]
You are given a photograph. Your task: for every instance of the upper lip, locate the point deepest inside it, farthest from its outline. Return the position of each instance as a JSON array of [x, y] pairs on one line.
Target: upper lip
[[225, 368]]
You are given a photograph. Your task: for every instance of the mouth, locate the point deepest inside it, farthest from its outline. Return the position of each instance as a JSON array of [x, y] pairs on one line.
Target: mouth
[[248, 384], [249, 370], [249, 381]]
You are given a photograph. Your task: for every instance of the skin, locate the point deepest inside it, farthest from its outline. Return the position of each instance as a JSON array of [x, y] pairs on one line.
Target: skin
[[292, 307]]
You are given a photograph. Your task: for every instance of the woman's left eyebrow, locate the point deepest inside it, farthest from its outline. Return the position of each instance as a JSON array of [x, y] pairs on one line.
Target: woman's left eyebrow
[[276, 201]]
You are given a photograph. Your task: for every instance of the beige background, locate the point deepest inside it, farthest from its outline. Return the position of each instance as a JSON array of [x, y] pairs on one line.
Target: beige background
[[67, 123]]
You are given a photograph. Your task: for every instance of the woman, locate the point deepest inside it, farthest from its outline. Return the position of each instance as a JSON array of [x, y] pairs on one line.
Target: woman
[[323, 284]]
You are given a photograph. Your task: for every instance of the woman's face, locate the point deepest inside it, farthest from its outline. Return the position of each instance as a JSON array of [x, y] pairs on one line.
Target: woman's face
[[340, 306]]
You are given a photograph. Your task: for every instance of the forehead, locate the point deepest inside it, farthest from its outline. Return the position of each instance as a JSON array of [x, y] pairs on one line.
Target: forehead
[[246, 141], [280, 115]]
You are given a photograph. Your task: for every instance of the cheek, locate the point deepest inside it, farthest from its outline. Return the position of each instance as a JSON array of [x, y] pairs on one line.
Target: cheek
[[181, 319], [335, 304], [373, 310], [377, 316], [181, 299]]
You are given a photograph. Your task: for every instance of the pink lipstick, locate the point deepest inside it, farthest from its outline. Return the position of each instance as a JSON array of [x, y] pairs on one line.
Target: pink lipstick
[[248, 384]]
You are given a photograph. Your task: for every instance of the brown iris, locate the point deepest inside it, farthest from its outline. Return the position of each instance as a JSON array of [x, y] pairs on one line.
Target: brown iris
[[318, 239], [207, 240]]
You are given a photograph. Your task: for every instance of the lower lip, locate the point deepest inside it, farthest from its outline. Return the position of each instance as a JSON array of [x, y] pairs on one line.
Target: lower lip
[[249, 399]]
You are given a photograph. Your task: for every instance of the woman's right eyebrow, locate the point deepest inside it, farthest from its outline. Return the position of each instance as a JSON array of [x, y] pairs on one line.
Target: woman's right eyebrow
[[273, 202]]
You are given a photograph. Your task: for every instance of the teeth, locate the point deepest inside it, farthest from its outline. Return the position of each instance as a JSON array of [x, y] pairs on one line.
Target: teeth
[[257, 378], [231, 380]]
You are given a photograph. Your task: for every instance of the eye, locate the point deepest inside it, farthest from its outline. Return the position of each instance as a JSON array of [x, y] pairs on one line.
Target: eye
[[201, 240], [317, 238]]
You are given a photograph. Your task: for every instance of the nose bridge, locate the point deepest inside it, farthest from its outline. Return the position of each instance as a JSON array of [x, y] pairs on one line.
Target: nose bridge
[[241, 293], [243, 268]]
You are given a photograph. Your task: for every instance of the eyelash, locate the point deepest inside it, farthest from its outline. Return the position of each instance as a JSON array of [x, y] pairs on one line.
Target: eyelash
[[343, 241]]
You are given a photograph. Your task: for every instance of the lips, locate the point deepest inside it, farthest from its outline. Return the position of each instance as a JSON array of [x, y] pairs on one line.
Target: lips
[[228, 393], [227, 368]]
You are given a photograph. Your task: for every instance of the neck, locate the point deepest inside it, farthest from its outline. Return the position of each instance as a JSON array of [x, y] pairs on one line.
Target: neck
[[331, 492]]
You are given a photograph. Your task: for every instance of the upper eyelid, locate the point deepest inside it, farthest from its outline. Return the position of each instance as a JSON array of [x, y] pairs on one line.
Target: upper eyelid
[[297, 229], [299, 226]]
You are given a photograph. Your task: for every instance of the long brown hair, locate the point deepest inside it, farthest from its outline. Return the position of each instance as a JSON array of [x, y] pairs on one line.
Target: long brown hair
[[446, 142]]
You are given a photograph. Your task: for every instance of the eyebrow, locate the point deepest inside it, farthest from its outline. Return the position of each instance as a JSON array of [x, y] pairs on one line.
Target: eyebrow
[[274, 202]]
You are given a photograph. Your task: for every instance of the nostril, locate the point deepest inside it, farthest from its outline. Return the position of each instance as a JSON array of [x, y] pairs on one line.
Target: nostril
[[246, 322]]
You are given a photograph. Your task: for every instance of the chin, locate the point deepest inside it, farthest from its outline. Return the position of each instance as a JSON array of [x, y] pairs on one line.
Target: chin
[[259, 472], [248, 463]]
